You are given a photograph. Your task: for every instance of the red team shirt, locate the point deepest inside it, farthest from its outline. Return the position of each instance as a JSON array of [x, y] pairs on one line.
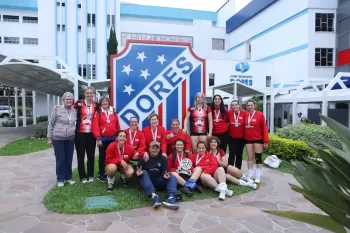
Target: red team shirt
[[101, 127], [179, 157], [231, 116], [207, 162], [220, 154], [160, 137], [86, 115], [258, 130], [114, 157], [199, 119], [137, 140], [171, 141], [220, 125]]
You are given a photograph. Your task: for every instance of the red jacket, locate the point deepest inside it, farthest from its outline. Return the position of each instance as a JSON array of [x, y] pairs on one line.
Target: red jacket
[[139, 142], [258, 130], [171, 141], [220, 126], [161, 137], [113, 157], [84, 124], [208, 163], [100, 127], [172, 167], [236, 132]]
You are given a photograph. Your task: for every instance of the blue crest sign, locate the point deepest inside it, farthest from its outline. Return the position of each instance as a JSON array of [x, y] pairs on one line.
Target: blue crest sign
[[152, 76]]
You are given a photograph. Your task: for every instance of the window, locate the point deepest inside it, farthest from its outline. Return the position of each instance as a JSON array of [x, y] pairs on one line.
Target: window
[[27, 19], [0, 18], [79, 5], [62, 4], [211, 79], [10, 18], [155, 37], [11, 40], [218, 44], [86, 72], [323, 57], [59, 27], [91, 19], [324, 22], [30, 40], [109, 20], [248, 50], [91, 49], [0, 39], [268, 81], [79, 28]]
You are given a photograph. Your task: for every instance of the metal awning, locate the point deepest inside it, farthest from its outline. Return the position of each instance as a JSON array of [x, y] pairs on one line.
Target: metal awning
[[238, 90]]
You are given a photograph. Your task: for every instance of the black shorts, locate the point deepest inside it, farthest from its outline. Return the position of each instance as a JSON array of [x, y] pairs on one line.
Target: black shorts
[[255, 142], [184, 176], [198, 134]]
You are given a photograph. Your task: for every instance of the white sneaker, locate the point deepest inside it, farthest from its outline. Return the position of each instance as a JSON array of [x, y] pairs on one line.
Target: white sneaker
[[252, 185], [257, 180], [90, 180], [247, 179], [258, 175], [70, 182], [222, 195], [228, 193], [84, 181], [250, 172], [60, 184]]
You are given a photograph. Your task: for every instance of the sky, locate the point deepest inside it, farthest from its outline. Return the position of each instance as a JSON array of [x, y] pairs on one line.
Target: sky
[[204, 5]]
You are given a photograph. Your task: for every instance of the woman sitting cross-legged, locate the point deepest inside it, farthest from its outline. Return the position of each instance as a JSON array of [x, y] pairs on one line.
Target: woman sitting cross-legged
[[233, 174], [186, 178], [154, 175], [118, 158], [212, 175]]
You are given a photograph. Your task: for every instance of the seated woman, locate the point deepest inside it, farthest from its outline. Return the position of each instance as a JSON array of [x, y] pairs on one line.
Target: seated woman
[[233, 174], [212, 175], [175, 133], [186, 178], [154, 175], [118, 158]]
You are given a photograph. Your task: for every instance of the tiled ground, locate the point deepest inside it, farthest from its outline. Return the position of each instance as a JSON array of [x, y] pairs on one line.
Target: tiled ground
[[25, 180]]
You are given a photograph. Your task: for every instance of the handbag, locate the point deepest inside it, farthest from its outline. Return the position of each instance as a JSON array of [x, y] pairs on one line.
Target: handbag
[[272, 161]]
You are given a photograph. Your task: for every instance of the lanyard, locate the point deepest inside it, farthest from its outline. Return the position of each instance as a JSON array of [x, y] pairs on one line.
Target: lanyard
[[200, 113], [236, 118], [120, 154], [133, 138], [250, 117], [199, 159], [69, 115], [107, 114], [88, 114], [179, 159], [217, 114], [154, 134]]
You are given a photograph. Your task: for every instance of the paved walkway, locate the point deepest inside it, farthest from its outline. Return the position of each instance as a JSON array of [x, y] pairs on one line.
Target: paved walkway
[[26, 179]]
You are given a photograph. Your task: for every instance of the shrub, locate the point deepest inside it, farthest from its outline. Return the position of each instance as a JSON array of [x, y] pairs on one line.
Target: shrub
[[28, 111], [288, 149], [12, 122], [311, 133], [41, 119], [41, 132]]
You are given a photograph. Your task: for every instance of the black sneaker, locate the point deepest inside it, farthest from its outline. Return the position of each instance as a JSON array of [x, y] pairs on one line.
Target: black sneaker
[[198, 188], [109, 187], [170, 203], [124, 179], [187, 191], [102, 178], [156, 202]]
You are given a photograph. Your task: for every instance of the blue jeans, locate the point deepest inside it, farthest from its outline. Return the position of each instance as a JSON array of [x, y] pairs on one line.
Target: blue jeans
[[150, 185], [64, 158]]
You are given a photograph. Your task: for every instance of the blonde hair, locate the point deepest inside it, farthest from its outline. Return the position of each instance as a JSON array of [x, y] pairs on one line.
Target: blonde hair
[[67, 94], [205, 105]]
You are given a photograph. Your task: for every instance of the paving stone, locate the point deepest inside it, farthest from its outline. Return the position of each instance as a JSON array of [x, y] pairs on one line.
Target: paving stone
[[188, 229], [79, 223], [13, 226], [243, 230], [107, 217], [119, 227], [283, 223], [230, 223], [179, 213], [12, 215], [69, 221], [299, 230], [52, 227], [204, 202], [262, 205], [82, 217], [206, 221], [189, 219], [52, 217], [215, 229], [232, 212], [253, 228], [260, 221], [141, 222], [77, 229], [175, 220], [198, 225], [34, 209], [260, 197], [98, 226], [134, 213], [172, 228]]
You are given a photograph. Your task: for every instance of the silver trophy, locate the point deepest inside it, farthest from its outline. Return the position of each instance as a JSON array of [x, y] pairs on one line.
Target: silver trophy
[[185, 166]]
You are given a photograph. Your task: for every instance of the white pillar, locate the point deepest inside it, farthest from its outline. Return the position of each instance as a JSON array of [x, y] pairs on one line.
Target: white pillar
[[76, 89], [324, 110], [16, 106], [53, 100], [288, 114], [48, 107], [272, 114], [117, 22], [24, 109], [264, 106], [282, 114], [235, 89], [294, 112], [268, 114], [72, 35], [58, 100], [34, 108], [101, 40]]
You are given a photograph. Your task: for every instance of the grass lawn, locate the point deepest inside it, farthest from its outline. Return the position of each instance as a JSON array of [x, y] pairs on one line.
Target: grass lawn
[[23, 146], [70, 199]]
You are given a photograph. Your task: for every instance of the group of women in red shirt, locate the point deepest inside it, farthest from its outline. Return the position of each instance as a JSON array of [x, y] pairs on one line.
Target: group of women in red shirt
[[211, 130]]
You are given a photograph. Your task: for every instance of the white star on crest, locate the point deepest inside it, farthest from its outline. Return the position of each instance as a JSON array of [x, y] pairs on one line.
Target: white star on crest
[[161, 59], [141, 56], [144, 73], [127, 69], [128, 89]]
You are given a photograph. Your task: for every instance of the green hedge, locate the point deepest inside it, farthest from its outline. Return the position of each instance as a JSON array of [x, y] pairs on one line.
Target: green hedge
[[12, 122], [309, 133], [288, 149]]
